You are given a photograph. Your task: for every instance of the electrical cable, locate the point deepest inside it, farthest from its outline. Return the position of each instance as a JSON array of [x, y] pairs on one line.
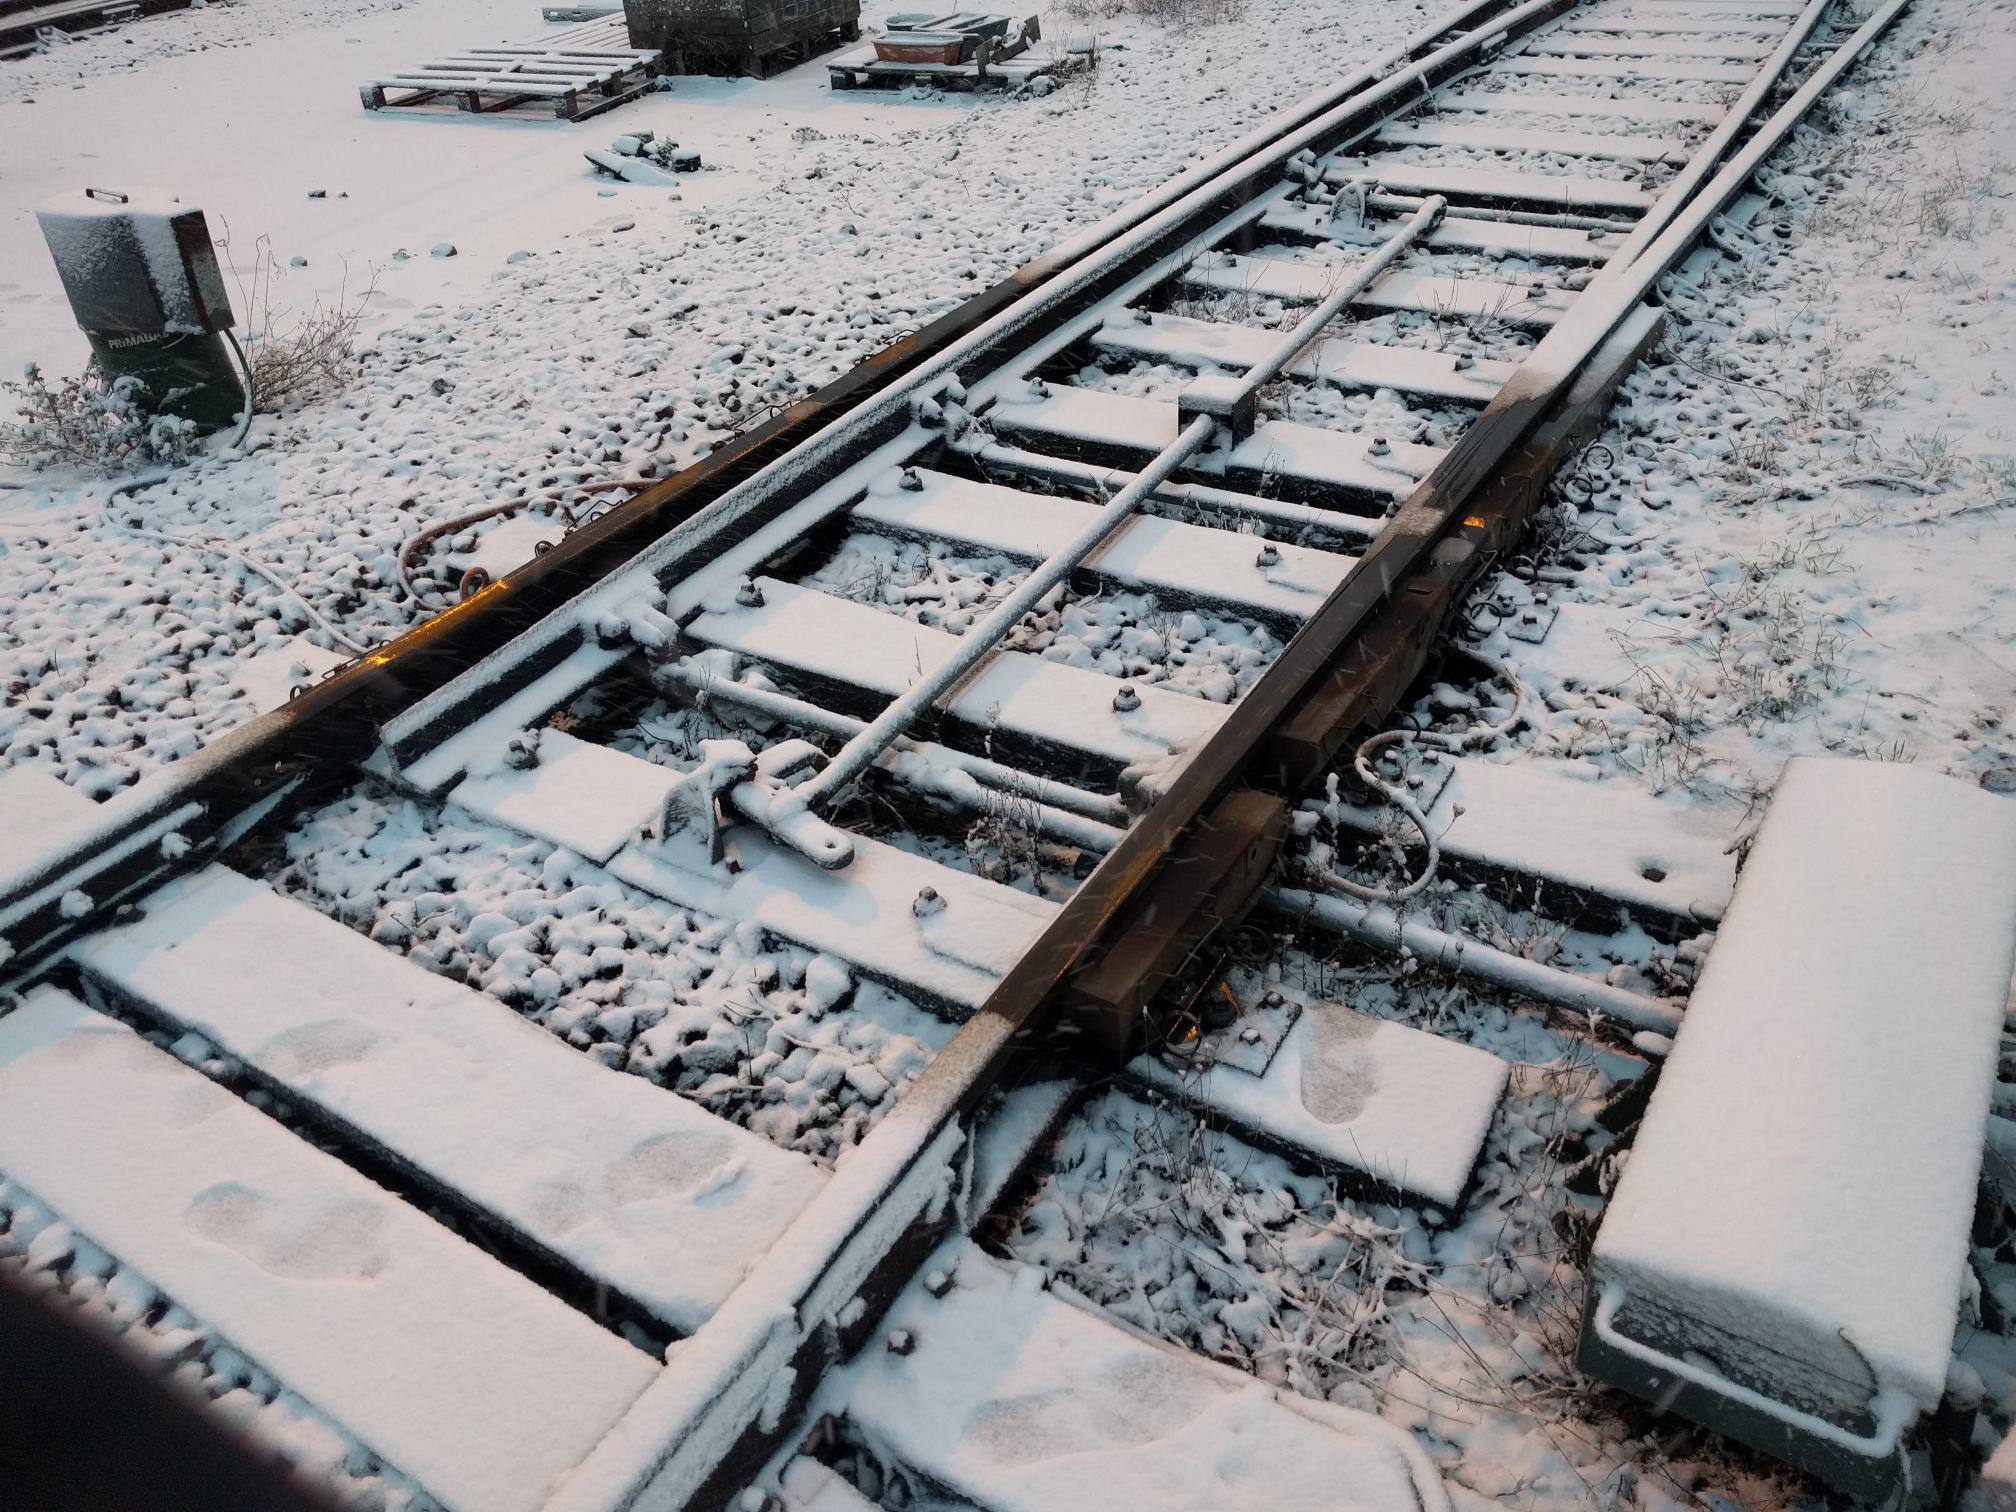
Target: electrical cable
[[244, 366], [1399, 798], [413, 543], [161, 474]]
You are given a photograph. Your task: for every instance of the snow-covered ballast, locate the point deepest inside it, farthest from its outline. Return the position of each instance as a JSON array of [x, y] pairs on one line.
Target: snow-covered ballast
[[1785, 1254]]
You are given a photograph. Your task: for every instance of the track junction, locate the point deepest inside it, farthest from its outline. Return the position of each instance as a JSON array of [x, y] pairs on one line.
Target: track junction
[[1128, 560]]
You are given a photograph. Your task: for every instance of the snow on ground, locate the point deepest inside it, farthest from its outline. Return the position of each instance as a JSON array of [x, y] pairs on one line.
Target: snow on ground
[[1803, 541], [1807, 539], [777, 1040], [47, 1258], [1460, 1328], [645, 325]]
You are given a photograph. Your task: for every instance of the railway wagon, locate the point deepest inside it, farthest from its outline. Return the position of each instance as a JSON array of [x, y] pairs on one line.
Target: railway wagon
[[740, 36]]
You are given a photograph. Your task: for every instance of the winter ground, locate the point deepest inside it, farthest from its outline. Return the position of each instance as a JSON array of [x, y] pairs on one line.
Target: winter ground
[[1806, 540], [1803, 539], [1809, 486], [646, 324]]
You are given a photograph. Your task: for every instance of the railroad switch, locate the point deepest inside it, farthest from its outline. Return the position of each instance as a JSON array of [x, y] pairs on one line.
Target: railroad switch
[[1373, 674]]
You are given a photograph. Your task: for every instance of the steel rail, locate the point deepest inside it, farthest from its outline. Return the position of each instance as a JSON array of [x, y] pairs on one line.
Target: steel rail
[[309, 744], [1681, 187], [753, 1363], [692, 1432], [984, 639]]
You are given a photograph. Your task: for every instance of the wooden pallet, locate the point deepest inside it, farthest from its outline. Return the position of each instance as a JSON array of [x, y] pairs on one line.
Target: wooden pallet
[[571, 74]]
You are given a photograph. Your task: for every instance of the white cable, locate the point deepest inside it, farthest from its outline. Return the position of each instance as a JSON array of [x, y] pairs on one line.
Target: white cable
[[146, 479], [245, 367], [1399, 798]]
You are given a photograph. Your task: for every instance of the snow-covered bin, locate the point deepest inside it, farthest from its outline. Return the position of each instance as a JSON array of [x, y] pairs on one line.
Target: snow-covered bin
[[135, 261], [144, 284], [1785, 1254]]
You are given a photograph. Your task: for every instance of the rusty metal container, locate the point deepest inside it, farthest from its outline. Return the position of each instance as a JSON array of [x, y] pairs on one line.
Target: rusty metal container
[[920, 47], [943, 40]]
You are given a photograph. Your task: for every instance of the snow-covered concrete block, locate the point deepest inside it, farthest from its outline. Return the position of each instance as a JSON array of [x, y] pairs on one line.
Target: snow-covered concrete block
[[584, 796], [1602, 838], [1312, 221], [1638, 109], [1307, 281], [1348, 364], [1021, 1400], [1224, 397], [1129, 427], [1566, 191], [835, 641], [460, 1373], [1182, 564], [1406, 1109], [1329, 461], [1621, 146], [431, 767], [1088, 418], [951, 953], [629, 1183], [1787, 1247], [1628, 70]]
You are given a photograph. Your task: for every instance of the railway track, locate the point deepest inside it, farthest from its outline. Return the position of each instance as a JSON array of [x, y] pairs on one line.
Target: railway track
[[857, 794]]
